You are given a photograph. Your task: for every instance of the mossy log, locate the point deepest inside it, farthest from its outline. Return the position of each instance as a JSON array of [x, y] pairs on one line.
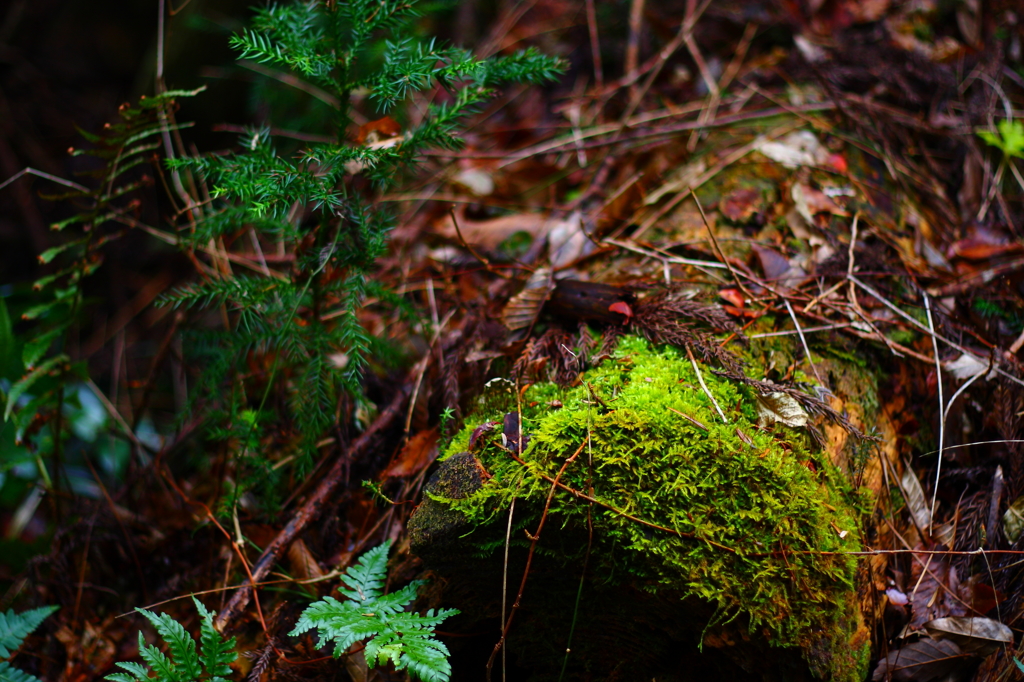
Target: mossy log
[[690, 505], [684, 511]]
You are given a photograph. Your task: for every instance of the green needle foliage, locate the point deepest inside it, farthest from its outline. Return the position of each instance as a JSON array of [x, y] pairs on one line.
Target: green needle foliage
[[406, 639], [14, 628], [186, 663], [317, 203]]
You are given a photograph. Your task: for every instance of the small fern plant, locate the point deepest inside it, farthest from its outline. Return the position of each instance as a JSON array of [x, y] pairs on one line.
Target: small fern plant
[[406, 639], [14, 628], [36, 367], [186, 663]]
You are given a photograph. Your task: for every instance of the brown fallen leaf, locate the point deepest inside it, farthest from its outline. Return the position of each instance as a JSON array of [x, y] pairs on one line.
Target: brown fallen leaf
[[936, 593], [921, 661], [980, 636], [417, 454], [913, 495], [740, 206], [732, 296], [489, 234], [523, 309], [375, 131], [302, 563]]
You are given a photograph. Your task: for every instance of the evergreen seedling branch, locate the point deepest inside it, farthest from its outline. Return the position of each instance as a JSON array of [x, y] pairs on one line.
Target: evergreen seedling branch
[[312, 203]]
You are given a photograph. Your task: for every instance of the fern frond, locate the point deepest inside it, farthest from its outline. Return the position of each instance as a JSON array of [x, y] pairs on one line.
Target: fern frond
[[164, 668], [9, 673], [406, 639], [185, 664], [179, 642], [343, 622], [366, 578], [136, 671], [217, 653], [15, 627], [425, 657], [396, 602]]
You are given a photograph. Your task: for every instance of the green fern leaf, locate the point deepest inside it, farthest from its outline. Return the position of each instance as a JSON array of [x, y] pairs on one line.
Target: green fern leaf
[[15, 627], [164, 668], [345, 623], [185, 664], [180, 643], [366, 577], [26, 382], [9, 673], [397, 601], [405, 639], [217, 653], [137, 672], [426, 658]]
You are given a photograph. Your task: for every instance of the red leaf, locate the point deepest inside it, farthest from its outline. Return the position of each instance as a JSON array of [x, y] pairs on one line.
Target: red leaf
[[375, 131], [622, 308], [838, 162], [742, 312], [733, 296]]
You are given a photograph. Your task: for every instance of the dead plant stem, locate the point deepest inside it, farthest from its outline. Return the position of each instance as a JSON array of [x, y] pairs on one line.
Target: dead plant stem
[[533, 547], [700, 378]]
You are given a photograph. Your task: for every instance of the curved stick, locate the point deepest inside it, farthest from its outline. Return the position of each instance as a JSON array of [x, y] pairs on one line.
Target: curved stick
[[309, 512]]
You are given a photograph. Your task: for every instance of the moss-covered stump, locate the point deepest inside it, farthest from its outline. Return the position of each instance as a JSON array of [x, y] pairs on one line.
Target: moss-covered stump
[[703, 524]]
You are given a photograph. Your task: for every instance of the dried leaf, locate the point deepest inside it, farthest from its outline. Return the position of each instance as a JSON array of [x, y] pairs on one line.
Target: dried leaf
[[978, 595], [780, 408], [489, 234], [866, 11], [476, 180], [913, 495], [937, 592], [417, 454], [511, 434], [979, 250], [522, 309], [965, 366], [733, 296], [741, 205], [800, 148], [622, 308], [980, 636], [1013, 520], [479, 432], [838, 163], [810, 201], [302, 563], [375, 131], [921, 661], [568, 241], [773, 264]]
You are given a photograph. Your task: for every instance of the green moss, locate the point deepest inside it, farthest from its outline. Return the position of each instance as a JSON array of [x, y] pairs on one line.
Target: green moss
[[749, 517]]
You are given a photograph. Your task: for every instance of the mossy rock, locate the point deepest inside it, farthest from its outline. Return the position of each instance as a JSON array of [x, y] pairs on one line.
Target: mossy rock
[[672, 530]]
